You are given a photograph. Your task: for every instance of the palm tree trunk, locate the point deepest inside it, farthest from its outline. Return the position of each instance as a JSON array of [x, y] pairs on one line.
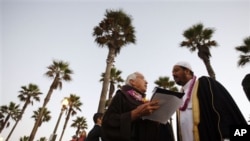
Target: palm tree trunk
[[13, 128], [77, 131], [105, 84], [209, 68], [36, 125], [65, 124], [57, 123], [5, 121], [111, 91]]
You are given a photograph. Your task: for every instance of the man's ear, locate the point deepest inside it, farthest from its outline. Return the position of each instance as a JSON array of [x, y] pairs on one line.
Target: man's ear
[[131, 81], [186, 71]]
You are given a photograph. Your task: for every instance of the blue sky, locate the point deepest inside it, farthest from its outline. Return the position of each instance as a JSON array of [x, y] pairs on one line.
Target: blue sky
[[33, 33]]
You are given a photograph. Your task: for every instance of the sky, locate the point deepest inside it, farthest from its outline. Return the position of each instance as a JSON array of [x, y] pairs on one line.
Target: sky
[[36, 32]]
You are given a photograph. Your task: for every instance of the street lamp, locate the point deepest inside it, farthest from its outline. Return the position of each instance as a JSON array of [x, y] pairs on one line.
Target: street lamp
[[1, 138], [64, 103]]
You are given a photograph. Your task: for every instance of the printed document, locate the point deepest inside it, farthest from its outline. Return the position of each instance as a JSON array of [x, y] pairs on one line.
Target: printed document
[[169, 102]]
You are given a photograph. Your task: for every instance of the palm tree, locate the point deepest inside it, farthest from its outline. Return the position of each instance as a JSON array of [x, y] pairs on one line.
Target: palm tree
[[24, 138], [79, 123], [199, 38], [42, 139], [166, 83], [73, 106], [59, 71], [245, 50], [1, 118], [27, 95], [244, 59], [12, 111], [115, 78], [114, 32], [63, 108], [45, 117]]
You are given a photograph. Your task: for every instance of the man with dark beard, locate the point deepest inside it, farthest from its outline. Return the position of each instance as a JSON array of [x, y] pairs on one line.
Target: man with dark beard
[[208, 110]]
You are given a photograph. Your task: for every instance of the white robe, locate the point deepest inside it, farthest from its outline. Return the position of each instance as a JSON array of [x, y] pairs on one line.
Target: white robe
[[186, 117]]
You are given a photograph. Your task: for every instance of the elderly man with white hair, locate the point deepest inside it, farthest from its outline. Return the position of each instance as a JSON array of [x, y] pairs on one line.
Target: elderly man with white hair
[[123, 120]]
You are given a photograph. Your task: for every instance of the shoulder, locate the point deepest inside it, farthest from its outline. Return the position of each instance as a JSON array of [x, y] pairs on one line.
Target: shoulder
[[207, 79], [204, 78], [120, 95]]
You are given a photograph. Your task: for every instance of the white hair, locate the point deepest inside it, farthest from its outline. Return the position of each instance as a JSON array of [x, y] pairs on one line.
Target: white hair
[[131, 77]]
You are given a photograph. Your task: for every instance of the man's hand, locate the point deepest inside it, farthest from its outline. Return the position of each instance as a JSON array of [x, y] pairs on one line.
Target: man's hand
[[145, 109]]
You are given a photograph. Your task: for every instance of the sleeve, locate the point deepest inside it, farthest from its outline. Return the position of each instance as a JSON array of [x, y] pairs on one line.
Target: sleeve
[[218, 110], [116, 124]]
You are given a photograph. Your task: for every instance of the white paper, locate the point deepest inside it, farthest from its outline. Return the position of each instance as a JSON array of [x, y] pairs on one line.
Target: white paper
[[168, 102]]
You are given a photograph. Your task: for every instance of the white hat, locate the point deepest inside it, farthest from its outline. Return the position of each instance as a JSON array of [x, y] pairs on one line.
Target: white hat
[[184, 64]]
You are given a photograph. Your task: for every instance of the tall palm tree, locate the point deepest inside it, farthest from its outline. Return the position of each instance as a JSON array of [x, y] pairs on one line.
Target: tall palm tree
[[79, 123], [245, 52], [199, 38], [73, 106], [9, 112], [114, 31], [27, 95], [115, 78], [45, 117], [59, 71], [165, 83]]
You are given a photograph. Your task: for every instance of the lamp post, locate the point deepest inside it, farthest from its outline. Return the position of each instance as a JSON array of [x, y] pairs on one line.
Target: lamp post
[[65, 103]]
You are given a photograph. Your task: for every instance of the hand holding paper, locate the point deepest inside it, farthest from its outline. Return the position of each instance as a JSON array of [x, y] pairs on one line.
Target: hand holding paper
[[169, 102], [145, 109]]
